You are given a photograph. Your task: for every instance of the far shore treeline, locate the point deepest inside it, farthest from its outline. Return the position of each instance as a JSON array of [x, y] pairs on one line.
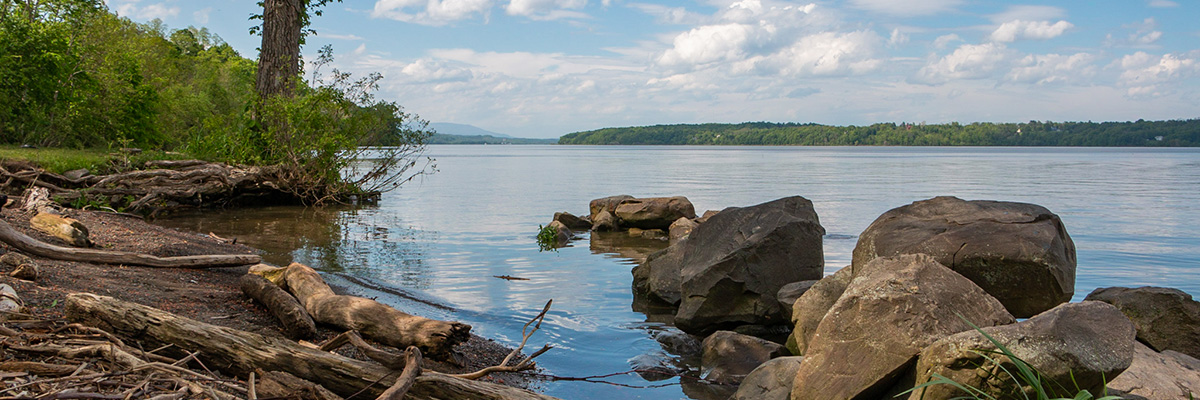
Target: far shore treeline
[[1173, 133]]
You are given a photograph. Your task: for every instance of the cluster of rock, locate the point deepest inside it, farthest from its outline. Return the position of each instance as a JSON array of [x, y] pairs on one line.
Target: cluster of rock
[[653, 217], [933, 288]]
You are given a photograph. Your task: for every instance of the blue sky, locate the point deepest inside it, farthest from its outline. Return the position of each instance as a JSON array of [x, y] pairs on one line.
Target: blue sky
[[544, 68]]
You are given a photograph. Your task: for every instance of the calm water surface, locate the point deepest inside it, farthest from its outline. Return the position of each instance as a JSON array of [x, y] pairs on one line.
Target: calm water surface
[[433, 247]]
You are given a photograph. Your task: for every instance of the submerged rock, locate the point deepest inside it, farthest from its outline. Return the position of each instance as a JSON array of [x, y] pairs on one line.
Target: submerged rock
[[1165, 318], [728, 356], [895, 307], [1019, 253], [1074, 347], [733, 265]]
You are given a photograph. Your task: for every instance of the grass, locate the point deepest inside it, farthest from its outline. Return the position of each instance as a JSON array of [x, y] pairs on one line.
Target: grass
[[547, 238], [1025, 376], [98, 161]]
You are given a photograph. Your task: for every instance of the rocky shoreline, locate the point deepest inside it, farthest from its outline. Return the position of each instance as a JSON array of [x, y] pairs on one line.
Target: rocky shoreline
[[934, 288]]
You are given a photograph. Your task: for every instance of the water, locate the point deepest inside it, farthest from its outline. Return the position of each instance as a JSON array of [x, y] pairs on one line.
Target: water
[[433, 247]]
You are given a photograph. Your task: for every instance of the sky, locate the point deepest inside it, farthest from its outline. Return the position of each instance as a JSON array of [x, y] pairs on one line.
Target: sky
[[545, 68]]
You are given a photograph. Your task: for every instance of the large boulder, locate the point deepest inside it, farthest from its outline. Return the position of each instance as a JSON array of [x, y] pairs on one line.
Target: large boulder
[[735, 263], [1165, 318], [1154, 375], [770, 381], [1074, 347], [729, 356], [809, 309], [1019, 253], [605, 204], [892, 310], [660, 277], [654, 212]]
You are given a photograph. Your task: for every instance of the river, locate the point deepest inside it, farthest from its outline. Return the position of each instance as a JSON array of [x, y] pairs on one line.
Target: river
[[434, 246]]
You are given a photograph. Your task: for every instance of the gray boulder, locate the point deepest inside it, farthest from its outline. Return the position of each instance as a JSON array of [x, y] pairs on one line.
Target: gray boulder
[[660, 277], [809, 309], [1074, 346], [573, 222], [728, 356], [892, 310], [681, 228], [605, 204], [604, 221], [1019, 253], [1165, 318], [770, 381], [735, 263], [788, 294], [654, 212], [1153, 376]]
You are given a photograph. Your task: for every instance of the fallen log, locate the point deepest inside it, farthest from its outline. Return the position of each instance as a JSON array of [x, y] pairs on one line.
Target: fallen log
[[29, 245], [69, 230], [297, 324], [373, 319], [239, 352], [38, 368]]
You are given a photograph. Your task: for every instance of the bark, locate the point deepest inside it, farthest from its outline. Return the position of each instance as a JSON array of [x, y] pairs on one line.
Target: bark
[[70, 230], [29, 245], [374, 320], [239, 352], [279, 53], [38, 368], [412, 370], [297, 324]]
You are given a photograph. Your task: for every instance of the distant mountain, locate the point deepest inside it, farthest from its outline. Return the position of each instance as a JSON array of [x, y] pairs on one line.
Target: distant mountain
[[448, 133], [447, 128]]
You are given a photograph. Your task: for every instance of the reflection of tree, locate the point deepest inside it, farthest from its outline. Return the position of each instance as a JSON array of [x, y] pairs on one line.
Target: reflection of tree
[[360, 241]]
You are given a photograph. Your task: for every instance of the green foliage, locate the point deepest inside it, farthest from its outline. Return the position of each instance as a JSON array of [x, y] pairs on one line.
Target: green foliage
[[1030, 382], [547, 238], [1033, 133]]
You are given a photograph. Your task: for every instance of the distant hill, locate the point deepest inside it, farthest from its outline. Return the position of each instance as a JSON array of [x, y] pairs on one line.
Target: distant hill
[[449, 133], [1033, 133]]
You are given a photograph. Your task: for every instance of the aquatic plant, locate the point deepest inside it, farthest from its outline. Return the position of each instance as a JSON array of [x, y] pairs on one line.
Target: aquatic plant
[[547, 238]]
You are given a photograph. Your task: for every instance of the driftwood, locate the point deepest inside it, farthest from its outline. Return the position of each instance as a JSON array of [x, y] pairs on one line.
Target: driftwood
[[239, 352], [373, 319], [412, 369], [297, 324], [69, 230], [278, 384], [165, 185], [9, 301], [29, 245]]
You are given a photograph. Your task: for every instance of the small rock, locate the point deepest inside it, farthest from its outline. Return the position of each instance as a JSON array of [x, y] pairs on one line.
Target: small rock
[[707, 214], [656, 367], [13, 259], [788, 294], [1165, 318], [571, 221], [26, 271], [770, 381], [728, 356], [604, 221], [562, 234]]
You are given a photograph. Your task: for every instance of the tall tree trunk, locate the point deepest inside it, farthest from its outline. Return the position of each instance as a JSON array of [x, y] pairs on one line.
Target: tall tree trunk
[[279, 55]]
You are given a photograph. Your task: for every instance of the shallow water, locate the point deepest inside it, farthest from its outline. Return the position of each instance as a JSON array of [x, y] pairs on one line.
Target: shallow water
[[433, 246]]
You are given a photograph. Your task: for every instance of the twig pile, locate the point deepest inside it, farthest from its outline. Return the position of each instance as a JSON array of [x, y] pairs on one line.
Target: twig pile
[[53, 359]]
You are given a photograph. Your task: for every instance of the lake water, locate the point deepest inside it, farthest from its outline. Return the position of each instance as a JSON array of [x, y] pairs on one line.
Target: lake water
[[433, 247]]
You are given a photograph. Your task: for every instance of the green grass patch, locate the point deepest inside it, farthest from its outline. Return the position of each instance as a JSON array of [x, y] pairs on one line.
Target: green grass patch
[[97, 161]]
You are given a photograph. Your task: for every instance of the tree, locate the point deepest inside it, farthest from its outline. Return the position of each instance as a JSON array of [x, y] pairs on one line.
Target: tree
[[285, 23]]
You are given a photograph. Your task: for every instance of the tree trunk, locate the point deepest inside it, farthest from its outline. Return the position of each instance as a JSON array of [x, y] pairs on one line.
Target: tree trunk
[[239, 352], [373, 319], [279, 55]]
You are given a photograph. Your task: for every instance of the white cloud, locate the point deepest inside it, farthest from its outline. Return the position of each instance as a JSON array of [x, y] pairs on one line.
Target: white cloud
[[339, 37], [1144, 35], [1146, 75], [969, 61], [431, 12], [907, 8], [945, 40], [669, 15], [1018, 29], [1162, 3], [151, 11], [897, 38], [1028, 13], [708, 44], [201, 16], [832, 53], [546, 9], [1053, 68], [429, 70]]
